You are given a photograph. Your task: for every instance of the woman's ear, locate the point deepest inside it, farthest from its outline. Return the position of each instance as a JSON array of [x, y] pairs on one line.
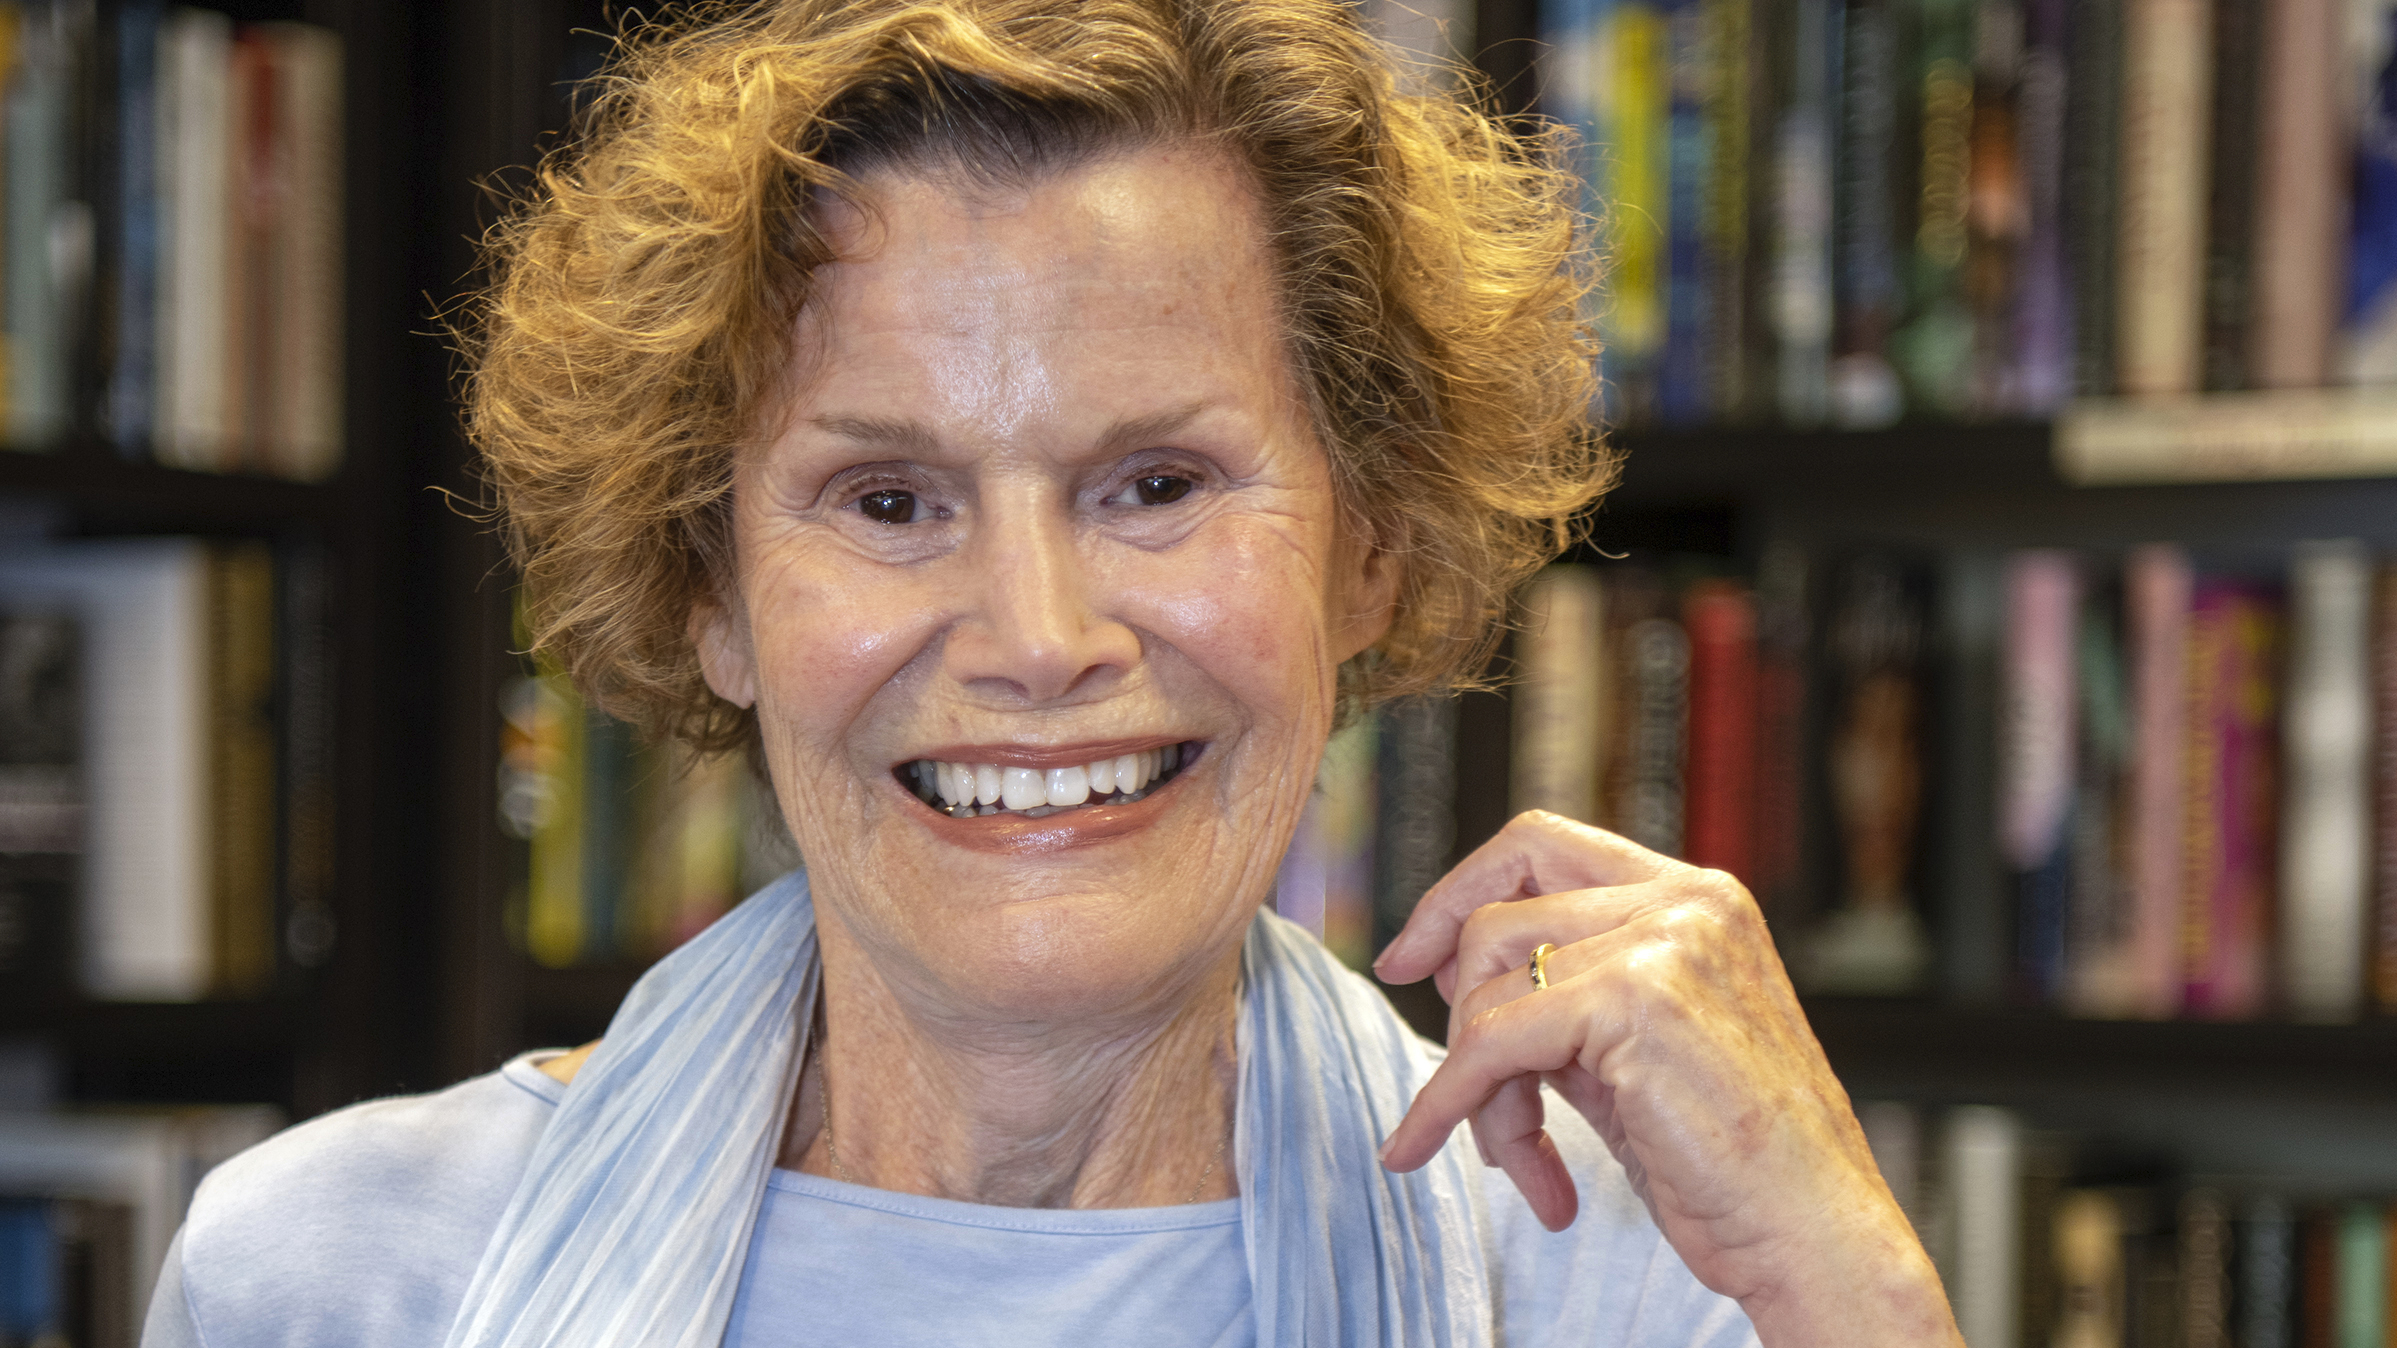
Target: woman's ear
[[727, 657], [1369, 601]]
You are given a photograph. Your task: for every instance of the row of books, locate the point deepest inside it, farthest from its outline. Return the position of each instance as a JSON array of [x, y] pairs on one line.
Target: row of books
[[2033, 1255], [2170, 791], [88, 1205], [1848, 211], [634, 848], [165, 768], [171, 235]]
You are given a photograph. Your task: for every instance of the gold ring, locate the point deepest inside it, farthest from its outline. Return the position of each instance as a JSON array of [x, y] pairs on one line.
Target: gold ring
[[1539, 966]]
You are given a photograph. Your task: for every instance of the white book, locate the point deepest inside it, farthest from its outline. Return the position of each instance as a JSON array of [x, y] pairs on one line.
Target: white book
[[305, 361], [195, 168], [1983, 1170], [2326, 781], [151, 1162], [141, 607], [1557, 700]]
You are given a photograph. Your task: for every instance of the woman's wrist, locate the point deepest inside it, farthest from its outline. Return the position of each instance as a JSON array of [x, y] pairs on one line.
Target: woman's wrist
[[1859, 1280]]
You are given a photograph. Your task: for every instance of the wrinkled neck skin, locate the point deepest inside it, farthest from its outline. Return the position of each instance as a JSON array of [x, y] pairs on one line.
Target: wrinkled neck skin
[[928, 1095]]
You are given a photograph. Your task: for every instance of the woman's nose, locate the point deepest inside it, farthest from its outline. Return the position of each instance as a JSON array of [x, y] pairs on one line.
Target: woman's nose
[[1035, 628]]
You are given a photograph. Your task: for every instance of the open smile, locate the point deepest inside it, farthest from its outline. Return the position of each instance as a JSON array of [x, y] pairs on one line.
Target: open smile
[[969, 790]]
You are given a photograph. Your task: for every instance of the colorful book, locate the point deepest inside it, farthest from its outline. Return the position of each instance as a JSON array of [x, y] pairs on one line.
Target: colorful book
[[2367, 341], [1873, 940], [1934, 349], [1799, 298], [1997, 215], [2092, 155], [1415, 793], [2167, 82], [1720, 768], [2039, 738], [1633, 104], [2300, 195], [2039, 365], [1557, 697], [2157, 584], [2231, 179], [2383, 936], [2232, 800], [1868, 291], [2326, 776], [2101, 909]]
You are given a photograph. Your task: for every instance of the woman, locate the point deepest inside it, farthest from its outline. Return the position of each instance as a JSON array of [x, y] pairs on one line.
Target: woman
[[1028, 432]]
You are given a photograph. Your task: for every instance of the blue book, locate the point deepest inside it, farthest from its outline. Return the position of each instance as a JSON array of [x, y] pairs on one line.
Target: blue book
[[133, 375]]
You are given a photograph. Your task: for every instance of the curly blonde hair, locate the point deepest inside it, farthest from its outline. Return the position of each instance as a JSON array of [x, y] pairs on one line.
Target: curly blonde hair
[[643, 296]]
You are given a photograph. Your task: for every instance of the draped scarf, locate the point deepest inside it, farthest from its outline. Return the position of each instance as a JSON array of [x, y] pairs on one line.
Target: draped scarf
[[633, 1218]]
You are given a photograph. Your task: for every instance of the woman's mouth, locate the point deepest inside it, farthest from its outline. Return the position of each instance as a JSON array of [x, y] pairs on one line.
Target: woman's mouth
[[970, 790]]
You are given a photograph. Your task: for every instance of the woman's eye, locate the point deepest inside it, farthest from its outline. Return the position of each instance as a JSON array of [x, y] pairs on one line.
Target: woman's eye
[[888, 507], [1160, 489]]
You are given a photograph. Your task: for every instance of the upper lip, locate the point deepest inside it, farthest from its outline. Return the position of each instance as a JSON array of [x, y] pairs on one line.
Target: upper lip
[[1045, 756]]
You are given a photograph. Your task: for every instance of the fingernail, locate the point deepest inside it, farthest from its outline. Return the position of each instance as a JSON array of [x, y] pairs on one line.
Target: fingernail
[[1383, 1155]]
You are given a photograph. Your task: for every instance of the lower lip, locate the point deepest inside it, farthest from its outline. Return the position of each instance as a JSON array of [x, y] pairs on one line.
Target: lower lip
[[1017, 835]]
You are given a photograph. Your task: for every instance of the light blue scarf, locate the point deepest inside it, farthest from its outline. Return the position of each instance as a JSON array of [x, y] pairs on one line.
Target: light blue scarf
[[633, 1218]]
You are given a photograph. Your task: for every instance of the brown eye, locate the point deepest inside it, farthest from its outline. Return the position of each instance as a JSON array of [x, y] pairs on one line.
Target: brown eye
[[1161, 489], [888, 507]]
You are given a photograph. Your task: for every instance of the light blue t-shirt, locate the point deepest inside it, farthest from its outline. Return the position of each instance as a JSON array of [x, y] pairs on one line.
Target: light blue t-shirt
[[361, 1229]]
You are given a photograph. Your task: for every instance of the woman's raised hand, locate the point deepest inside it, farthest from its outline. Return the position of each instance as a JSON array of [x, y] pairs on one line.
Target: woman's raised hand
[[1669, 1023]]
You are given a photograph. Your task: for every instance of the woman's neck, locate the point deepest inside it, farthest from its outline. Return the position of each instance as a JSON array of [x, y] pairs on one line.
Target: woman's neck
[[1127, 1110]]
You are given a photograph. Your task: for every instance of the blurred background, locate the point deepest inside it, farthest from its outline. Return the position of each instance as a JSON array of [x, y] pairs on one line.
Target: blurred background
[[1998, 584]]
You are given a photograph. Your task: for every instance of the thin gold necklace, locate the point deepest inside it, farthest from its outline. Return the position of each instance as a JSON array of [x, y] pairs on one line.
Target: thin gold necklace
[[841, 1172]]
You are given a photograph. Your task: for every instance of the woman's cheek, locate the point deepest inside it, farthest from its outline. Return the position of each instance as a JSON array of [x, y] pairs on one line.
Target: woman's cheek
[[1243, 599]]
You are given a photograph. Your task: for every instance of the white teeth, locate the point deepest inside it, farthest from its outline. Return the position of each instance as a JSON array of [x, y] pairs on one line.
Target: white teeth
[[1024, 789], [965, 786], [1068, 786]]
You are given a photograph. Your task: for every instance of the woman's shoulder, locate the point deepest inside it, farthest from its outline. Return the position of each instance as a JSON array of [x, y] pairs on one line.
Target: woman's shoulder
[[365, 1225]]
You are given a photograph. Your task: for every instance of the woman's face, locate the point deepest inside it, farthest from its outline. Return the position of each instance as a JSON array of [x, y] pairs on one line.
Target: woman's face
[[1044, 520]]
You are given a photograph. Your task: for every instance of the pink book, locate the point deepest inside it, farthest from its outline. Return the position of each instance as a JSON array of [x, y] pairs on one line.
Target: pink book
[[2038, 751], [2233, 801], [2156, 588]]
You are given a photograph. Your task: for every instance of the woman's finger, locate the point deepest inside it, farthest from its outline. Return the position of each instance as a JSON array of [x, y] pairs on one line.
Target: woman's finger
[[1511, 1133], [1536, 853], [1499, 938]]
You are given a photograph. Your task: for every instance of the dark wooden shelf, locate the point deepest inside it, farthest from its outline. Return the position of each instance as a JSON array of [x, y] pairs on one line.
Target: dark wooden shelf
[[108, 493], [1685, 467]]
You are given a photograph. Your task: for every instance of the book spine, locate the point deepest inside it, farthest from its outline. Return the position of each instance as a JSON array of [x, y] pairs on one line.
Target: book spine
[[2091, 1288], [2267, 1267], [2326, 799], [133, 377], [1997, 211], [2384, 789], [2040, 728], [2167, 78], [1934, 349], [2366, 345], [1653, 741], [2231, 800], [194, 143], [2318, 1274], [1781, 642], [253, 195], [242, 754], [36, 174], [1720, 617], [1345, 811], [308, 768], [1971, 873], [2042, 319], [1868, 293], [2100, 924], [306, 376], [1689, 356], [1416, 795], [1557, 701], [2363, 1276], [2092, 154], [1729, 87], [2205, 1247], [1634, 103], [2300, 196], [2230, 192], [1799, 294], [1984, 1169], [2157, 583]]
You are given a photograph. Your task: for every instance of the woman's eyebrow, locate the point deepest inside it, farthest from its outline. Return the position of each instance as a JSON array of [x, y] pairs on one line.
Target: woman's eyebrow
[[1142, 432], [902, 433]]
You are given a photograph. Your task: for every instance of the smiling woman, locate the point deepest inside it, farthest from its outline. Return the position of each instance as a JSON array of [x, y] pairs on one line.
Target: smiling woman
[[1029, 428]]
